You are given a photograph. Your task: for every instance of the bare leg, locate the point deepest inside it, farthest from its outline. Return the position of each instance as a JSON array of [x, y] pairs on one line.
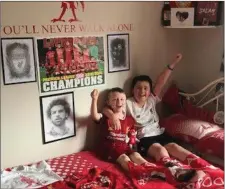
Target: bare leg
[[123, 161], [157, 151], [177, 151], [137, 158]]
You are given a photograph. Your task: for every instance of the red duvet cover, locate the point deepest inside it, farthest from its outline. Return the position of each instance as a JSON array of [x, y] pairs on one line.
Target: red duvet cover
[[84, 170]]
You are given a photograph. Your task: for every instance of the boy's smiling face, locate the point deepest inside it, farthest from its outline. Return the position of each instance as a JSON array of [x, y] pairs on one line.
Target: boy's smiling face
[[141, 91], [117, 101]]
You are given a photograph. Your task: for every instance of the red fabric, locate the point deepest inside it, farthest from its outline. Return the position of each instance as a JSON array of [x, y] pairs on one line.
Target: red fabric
[[113, 142], [97, 178], [197, 113], [180, 104], [213, 179], [181, 4], [172, 98], [187, 129], [76, 163], [212, 143], [142, 179]]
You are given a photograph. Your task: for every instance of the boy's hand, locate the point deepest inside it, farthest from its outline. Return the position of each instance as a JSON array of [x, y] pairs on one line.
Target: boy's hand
[[94, 94], [115, 122], [178, 58]]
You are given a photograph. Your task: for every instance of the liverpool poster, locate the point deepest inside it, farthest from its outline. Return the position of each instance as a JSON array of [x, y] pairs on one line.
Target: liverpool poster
[[70, 62]]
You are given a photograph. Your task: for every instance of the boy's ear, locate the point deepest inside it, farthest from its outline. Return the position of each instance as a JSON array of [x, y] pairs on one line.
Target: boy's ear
[[107, 102]]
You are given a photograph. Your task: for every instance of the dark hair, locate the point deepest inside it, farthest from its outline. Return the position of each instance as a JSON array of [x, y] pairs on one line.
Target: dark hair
[[59, 101], [15, 45], [178, 13], [142, 78], [115, 89]]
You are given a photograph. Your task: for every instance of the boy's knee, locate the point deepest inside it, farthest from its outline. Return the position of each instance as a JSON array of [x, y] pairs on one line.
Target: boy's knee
[[123, 158], [135, 155], [171, 146], [155, 147]]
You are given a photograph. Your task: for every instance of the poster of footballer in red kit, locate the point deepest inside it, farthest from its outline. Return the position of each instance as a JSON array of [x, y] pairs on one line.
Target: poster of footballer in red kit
[[70, 62]]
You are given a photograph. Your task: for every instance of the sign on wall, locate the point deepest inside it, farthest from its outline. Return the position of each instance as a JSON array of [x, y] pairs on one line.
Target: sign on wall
[[70, 62], [67, 19]]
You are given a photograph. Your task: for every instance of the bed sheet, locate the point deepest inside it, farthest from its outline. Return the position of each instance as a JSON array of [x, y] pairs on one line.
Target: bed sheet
[[78, 163]]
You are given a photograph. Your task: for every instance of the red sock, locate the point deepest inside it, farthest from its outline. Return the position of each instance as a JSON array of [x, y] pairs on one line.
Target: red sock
[[148, 164], [135, 170], [195, 162]]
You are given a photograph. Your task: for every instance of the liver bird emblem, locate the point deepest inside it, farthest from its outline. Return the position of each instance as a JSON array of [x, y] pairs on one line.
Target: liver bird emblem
[[73, 6]]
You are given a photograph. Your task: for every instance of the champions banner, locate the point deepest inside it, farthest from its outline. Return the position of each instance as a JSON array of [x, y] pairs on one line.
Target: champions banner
[[70, 62]]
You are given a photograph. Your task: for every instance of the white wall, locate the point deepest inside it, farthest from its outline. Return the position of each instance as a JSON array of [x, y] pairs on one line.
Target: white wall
[[151, 48], [203, 49], [21, 135]]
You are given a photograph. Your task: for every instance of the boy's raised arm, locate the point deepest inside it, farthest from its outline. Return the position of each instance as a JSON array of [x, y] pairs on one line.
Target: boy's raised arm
[[164, 76], [94, 110]]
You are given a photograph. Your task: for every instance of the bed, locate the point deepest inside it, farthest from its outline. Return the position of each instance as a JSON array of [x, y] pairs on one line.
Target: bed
[[197, 120], [84, 169], [78, 164], [74, 169]]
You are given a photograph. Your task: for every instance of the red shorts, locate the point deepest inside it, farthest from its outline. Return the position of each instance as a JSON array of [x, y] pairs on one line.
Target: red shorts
[[110, 151]]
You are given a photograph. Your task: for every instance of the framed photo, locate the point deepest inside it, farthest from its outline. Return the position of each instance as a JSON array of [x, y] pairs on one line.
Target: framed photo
[[18, 60], [182, 17], [57, 115], [118, 52], [208, 13]]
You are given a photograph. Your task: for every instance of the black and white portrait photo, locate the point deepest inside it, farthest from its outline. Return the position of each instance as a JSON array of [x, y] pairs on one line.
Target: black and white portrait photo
[[18, 60], [118, 52], [58, 117]]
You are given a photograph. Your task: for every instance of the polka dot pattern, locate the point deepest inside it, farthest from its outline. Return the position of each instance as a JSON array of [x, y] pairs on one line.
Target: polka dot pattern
[[76, 163]]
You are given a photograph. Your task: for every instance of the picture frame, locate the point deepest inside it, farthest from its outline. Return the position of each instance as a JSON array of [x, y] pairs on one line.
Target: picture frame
[[182, 17], [208, 13], [78, 60], [118, 51], [57, 117], [18, 60]]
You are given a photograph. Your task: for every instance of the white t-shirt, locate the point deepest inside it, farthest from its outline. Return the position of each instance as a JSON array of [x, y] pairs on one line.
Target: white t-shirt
[[147, 119], [34, 176]]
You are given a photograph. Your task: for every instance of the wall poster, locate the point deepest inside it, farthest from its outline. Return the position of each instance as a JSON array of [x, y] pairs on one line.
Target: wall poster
[[18, 60], [70, 62], [58, 117]]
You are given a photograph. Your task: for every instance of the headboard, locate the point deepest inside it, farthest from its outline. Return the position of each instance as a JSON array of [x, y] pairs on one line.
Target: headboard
[[210, 96]]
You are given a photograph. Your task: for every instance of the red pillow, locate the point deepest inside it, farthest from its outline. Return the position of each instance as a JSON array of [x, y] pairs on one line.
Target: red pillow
[[179, 104], [212, 143], [189, 130]]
